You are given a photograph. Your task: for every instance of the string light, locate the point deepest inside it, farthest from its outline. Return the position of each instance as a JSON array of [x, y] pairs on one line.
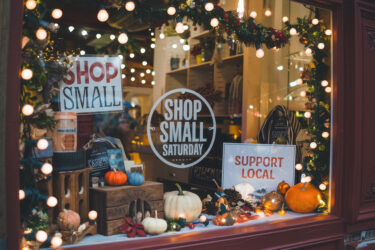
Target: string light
[[42, 144], [299, 166], [315, 21], [152, 33], [328, 32], [153, 73], [123, 76], [325, 134], [103, 15], [324, 83], [299, 81], [51, 201], [82, 52], [26, 74], [308, 52], [268, 12], [30, 4], [112, 37], [132, 70], [132, 79], [308, 179], [143, 50], [142, 74], [171, 10], [203, 218], [303, 93], [321, 45], [152, 45], [161, 36], [56, 241], [130, 6], [46, 168], [41, 236], [84, 33], [259, 53], [123, 38], [180, 27], [209, 6], [322, 187], [57, 13], [293, 31], [280, 67], [143, 81], [152, 82], [307, 114], [21, 194], [41, 34], [328, 89], [93, 215], [253, 14], [27, 110], [214, 22], [122, 66], [131, 55], [148, 71], [174, 46], [313, 145], [144, 63], [285, 19], [186, 47], [71, 28]]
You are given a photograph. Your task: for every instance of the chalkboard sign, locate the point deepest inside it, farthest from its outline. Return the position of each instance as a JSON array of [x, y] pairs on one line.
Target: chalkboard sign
[[97, 158], [279, 128]]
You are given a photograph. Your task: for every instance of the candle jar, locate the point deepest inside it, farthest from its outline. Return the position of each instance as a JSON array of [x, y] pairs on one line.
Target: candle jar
[[65, 133]]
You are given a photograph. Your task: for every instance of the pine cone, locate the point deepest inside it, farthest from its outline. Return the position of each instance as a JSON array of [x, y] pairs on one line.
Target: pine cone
[[232, 196], [210, 208]]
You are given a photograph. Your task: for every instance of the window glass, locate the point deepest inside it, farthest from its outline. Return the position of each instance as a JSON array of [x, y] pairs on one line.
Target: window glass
[[151, 118]]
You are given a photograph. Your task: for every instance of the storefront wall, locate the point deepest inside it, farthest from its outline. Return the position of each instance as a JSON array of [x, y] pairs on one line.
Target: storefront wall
[[353, 191]]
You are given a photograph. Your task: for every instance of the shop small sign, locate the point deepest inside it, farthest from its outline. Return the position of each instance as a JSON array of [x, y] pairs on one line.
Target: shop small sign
[[263, 166], [186, 132], [92, 84]]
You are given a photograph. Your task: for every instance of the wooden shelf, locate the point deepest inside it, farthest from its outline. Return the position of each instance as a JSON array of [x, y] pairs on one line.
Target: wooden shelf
[[178, 71], [201, 65], [231, 58]]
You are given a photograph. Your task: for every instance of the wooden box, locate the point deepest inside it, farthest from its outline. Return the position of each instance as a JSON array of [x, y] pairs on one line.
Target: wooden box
[[113, 204]]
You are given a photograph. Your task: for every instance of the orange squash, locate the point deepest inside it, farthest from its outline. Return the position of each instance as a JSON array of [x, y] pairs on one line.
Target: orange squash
[[302, 198], [282, 188], [115, 178]]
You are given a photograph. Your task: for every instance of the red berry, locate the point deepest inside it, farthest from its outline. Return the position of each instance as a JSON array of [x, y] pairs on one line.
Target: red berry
[[226, 15]]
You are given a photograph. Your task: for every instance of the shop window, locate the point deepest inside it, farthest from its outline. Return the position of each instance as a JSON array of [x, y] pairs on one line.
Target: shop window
[[136, 123]]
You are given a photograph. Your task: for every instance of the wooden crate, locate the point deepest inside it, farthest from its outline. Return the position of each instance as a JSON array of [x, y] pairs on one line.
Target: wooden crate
[[113, 204], [71, 189]]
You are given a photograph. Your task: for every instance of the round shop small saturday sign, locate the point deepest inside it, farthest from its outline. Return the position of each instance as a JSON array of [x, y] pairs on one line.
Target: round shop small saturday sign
[[182, 132]]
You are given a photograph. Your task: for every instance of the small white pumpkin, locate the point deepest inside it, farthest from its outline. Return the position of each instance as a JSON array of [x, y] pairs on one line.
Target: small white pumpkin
[[245, 189], [182, 204], [154, 225]]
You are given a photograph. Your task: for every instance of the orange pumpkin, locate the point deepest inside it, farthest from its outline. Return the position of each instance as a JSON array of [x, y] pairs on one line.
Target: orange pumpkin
[[223, 219], [302, 198], [68, 220], [115, 178], [282, 188]]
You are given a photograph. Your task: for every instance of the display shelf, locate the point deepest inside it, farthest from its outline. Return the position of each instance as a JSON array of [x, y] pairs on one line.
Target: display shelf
[[202, 65], [178, 71], [233, 58]]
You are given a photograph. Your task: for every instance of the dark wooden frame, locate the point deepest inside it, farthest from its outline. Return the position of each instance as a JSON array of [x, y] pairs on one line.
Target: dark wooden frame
[[317, 232]]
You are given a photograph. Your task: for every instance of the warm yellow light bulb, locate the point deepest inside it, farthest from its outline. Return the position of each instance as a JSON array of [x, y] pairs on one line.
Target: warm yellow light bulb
[[285, 19], [42, 144], [299, 81], [180, 27], [56, 241], [322, 187], [214, 22], [123, 38], [102, 15], [203, 218], [324, 83], [325, 134], [268, 12], [46, 168], [51, 201], [253, 14], [41, 236], [328, 89], [57, 13], [30, 4], [21, 194], [27, 110], [93, 215], [209, 6], [293, 31], [299, 166], [171, 10], [328, 32], [307, 114], [321, 45], [303, 93], [130, 6], [27, 74], [315, 21], [41, 34], [259, 53], [313, 145], [308, 52]]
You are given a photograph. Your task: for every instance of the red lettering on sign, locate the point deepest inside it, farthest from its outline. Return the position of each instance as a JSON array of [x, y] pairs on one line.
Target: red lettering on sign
[[110, 76], [273, 162], [85, 72], [264, 161], [252, 160], [101, 76], [71, 78], [237, 160], [280, 159], [259, 160], [257, 173]]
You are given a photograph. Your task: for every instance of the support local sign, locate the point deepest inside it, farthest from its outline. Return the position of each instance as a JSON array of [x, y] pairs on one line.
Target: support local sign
[[264, 166], [93, 84]]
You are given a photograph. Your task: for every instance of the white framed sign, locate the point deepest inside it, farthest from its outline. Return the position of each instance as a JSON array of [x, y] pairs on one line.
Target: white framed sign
[[92, 85], [263, 166], [182, 139]]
